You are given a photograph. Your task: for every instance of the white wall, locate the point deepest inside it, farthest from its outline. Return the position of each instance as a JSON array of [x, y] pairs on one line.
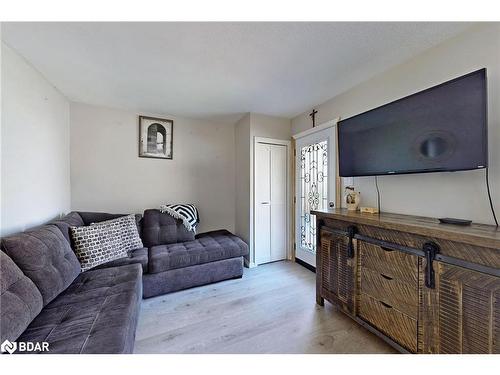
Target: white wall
[[107, 174], [242, 142], [270, 127], [458, 194], [34, 147]]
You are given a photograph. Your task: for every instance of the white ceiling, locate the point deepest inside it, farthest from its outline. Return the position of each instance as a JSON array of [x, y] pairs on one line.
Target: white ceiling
[[217, 70]]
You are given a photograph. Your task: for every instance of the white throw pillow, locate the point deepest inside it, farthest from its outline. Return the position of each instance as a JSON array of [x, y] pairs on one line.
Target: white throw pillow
[[105, 241]]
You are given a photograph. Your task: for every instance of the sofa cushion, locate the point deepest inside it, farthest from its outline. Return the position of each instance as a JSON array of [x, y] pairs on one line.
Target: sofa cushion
[[20, 300], [161, 228], [207, 247], [96, 217], [105, 241], [96, 314], [79, 219], [44, 255], [135, 256], [155, 284], [73, 219]]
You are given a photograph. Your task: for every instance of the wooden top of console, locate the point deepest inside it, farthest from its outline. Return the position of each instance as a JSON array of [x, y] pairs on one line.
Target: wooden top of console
[[475, 234]]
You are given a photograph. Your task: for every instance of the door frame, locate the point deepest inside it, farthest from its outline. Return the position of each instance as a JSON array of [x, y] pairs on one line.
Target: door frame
[[332, 124], [289, 165]]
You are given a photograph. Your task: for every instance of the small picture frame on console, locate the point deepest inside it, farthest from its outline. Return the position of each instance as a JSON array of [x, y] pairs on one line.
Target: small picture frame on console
[[155, 137]]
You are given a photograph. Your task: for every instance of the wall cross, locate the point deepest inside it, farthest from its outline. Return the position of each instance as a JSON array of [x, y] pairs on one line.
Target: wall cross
[[313, 117]]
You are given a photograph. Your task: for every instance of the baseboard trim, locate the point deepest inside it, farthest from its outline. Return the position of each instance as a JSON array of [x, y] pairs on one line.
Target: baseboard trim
[[306, 265], [248, 264]]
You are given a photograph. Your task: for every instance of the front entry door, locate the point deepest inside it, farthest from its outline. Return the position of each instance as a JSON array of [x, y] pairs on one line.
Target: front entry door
[[315, 188]]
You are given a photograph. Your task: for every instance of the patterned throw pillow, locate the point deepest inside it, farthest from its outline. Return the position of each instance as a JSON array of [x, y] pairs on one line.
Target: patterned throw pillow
[[130, 238], [105, 241]]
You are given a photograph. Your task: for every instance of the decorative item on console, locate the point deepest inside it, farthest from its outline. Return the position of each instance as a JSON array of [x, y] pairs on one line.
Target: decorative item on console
[[352, 198]]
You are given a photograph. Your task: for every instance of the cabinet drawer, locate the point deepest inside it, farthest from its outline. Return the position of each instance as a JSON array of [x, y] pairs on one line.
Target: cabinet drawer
[[392, 263], [398, 294], [400, 327]]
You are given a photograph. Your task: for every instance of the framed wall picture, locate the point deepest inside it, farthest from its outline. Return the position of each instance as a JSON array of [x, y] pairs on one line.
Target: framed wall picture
[[155, 137]]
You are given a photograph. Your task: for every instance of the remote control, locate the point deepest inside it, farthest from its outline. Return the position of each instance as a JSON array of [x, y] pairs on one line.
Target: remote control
[[449, 220]]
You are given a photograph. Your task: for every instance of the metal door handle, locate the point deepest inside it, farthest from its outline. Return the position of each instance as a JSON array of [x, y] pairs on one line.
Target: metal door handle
[[351, 232], [430, 249], [265, 203]]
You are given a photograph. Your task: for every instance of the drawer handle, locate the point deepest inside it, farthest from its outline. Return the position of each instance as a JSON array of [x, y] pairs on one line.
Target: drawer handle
[[386, 277], [386, 305], [386, 249]]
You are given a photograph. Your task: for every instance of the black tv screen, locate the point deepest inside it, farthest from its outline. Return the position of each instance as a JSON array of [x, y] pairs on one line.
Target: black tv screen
[[443, 128]]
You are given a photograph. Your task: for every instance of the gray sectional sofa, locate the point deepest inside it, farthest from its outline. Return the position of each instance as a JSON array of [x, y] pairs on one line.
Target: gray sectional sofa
[[45, 297]]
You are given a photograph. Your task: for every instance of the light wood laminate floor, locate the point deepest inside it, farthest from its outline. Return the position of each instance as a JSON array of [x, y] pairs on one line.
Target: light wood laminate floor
[[271, 309]]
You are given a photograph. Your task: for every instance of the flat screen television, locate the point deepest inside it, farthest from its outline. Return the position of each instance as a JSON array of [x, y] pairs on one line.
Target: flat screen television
[[443, 128]]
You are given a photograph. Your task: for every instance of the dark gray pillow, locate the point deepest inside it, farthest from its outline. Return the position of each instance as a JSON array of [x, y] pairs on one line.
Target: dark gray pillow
[[105, 241], [20, 300], [44, 255]]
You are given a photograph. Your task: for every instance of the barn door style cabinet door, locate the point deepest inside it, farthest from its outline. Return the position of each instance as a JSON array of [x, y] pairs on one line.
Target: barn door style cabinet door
[[337, 273], [466, 310], [420, 286]]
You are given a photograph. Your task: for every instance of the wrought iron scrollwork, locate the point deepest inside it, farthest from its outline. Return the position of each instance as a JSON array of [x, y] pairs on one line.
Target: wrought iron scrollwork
[[314, 177]]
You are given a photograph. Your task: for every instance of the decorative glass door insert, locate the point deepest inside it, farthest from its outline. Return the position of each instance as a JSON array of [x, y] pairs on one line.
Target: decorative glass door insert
[[314, 185], [313, 194]]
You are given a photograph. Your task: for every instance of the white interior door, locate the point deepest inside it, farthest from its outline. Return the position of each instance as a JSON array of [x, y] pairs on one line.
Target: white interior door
[[270, 202], [278, 202], [262, 210], [315, 187]]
